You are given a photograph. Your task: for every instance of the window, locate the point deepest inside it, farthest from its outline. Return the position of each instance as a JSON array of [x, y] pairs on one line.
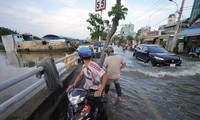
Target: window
[[145, 48]]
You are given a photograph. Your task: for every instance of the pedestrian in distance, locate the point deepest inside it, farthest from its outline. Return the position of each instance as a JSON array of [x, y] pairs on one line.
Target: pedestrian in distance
[[113, 64], [92, 72]]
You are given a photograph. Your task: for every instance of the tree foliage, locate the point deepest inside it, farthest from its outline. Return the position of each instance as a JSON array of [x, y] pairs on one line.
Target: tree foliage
[[139, 32], [115, 38], [6, 31], [118, 12], [36, 38], [95, 21], [129, 37]]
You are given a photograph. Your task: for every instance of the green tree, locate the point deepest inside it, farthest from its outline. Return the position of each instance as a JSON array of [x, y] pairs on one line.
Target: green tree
[[122, 40], [129, 37], [95, 21], [138, 32], [118, 12], [6, 31], [36, 38], [115, 38]]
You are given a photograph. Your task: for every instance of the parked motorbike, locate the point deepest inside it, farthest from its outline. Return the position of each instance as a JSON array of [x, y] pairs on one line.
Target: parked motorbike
[[195, 53], [80, 104]]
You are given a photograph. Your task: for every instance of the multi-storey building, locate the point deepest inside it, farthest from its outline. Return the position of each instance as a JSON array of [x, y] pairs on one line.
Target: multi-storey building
[[127, 29], [192, 34]]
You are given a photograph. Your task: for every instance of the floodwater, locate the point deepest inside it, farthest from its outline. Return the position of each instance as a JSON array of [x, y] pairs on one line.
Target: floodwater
[[13, 64], [149, 93], [156, 93]]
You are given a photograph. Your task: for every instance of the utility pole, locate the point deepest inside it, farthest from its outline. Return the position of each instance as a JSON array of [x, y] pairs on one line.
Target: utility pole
[[100, 33], [149, 20], [174, 44]]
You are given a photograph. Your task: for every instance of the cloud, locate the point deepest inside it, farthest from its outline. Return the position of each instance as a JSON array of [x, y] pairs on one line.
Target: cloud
[[68, 17], [61, 21], [142, 14]]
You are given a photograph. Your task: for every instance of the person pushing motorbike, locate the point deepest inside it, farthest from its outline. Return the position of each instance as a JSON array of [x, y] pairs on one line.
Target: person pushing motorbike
[[92, 72]]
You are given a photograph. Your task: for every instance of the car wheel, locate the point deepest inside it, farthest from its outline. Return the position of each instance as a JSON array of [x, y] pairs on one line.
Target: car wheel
[[136, 57], [152, 62]]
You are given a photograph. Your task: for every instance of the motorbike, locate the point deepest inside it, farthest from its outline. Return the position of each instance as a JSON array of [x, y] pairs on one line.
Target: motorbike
[[195, 53], [80, 105]]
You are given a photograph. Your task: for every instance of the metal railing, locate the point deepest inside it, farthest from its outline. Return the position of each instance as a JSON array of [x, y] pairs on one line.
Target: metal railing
[[10, 82]]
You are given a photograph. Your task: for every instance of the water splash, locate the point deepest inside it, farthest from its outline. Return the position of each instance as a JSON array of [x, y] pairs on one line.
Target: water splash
[[188, 68]]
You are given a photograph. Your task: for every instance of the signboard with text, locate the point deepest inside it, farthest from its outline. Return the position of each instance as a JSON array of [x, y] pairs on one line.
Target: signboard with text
[[100, 5]]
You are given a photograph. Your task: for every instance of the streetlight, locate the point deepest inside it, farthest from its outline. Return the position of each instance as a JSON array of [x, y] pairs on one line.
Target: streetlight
[[174, 44], [176, 5]]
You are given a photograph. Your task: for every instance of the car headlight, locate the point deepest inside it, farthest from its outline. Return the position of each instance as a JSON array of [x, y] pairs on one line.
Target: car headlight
[[158, 58]]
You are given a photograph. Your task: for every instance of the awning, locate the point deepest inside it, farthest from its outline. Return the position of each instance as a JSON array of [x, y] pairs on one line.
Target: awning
[[149, 39], [190, 32]]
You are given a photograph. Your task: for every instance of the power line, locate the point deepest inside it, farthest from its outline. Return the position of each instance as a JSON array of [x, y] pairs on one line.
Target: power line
[[159, 9], [152, 6], [159, 22], [148, 11]]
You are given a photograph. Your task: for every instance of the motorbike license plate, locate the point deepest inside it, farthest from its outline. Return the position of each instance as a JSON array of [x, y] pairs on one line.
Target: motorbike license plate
[[172, 65]]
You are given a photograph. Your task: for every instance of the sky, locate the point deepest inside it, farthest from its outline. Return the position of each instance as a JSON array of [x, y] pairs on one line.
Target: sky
[[68, 17]]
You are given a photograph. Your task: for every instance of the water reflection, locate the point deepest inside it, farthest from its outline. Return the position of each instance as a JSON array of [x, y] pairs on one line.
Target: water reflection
[[29, 59]]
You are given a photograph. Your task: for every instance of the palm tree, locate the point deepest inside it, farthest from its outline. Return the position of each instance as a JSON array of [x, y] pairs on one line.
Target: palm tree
[[118, 12]]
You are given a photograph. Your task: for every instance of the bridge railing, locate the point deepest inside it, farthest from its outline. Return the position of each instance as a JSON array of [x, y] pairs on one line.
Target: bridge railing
[[15, 80]]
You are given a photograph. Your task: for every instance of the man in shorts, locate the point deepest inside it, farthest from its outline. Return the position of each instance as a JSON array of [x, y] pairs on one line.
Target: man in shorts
[[113, 64]]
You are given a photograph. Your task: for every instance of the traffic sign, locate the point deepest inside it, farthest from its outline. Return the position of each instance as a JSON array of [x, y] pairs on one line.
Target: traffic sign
[[100, 5]]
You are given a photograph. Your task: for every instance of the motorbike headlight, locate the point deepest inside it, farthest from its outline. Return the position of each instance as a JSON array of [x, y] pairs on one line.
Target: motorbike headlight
[[81, 99], [158, 58], [75, 100]]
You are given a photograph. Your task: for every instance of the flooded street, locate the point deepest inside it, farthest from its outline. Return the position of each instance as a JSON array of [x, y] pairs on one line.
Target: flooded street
[[156, 93], [149, 93]]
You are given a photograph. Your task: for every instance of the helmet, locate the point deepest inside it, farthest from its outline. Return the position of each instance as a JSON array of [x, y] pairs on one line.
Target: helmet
[[84, 52], [109, 49]]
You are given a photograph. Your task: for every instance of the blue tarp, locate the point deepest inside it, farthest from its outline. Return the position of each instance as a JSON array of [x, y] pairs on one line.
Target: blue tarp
[[190, 32]]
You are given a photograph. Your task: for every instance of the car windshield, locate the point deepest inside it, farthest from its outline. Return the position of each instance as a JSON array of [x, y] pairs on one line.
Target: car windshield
[[157, 49]]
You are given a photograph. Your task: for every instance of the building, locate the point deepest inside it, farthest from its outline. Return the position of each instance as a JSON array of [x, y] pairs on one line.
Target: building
[[171, 19], [151, 37], [144, 30], [170, 27], [167, 31], [126, 29], [192, 34], [195, 14]]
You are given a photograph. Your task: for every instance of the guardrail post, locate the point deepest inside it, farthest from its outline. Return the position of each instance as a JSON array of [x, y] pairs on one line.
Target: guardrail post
[[76, 56]]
